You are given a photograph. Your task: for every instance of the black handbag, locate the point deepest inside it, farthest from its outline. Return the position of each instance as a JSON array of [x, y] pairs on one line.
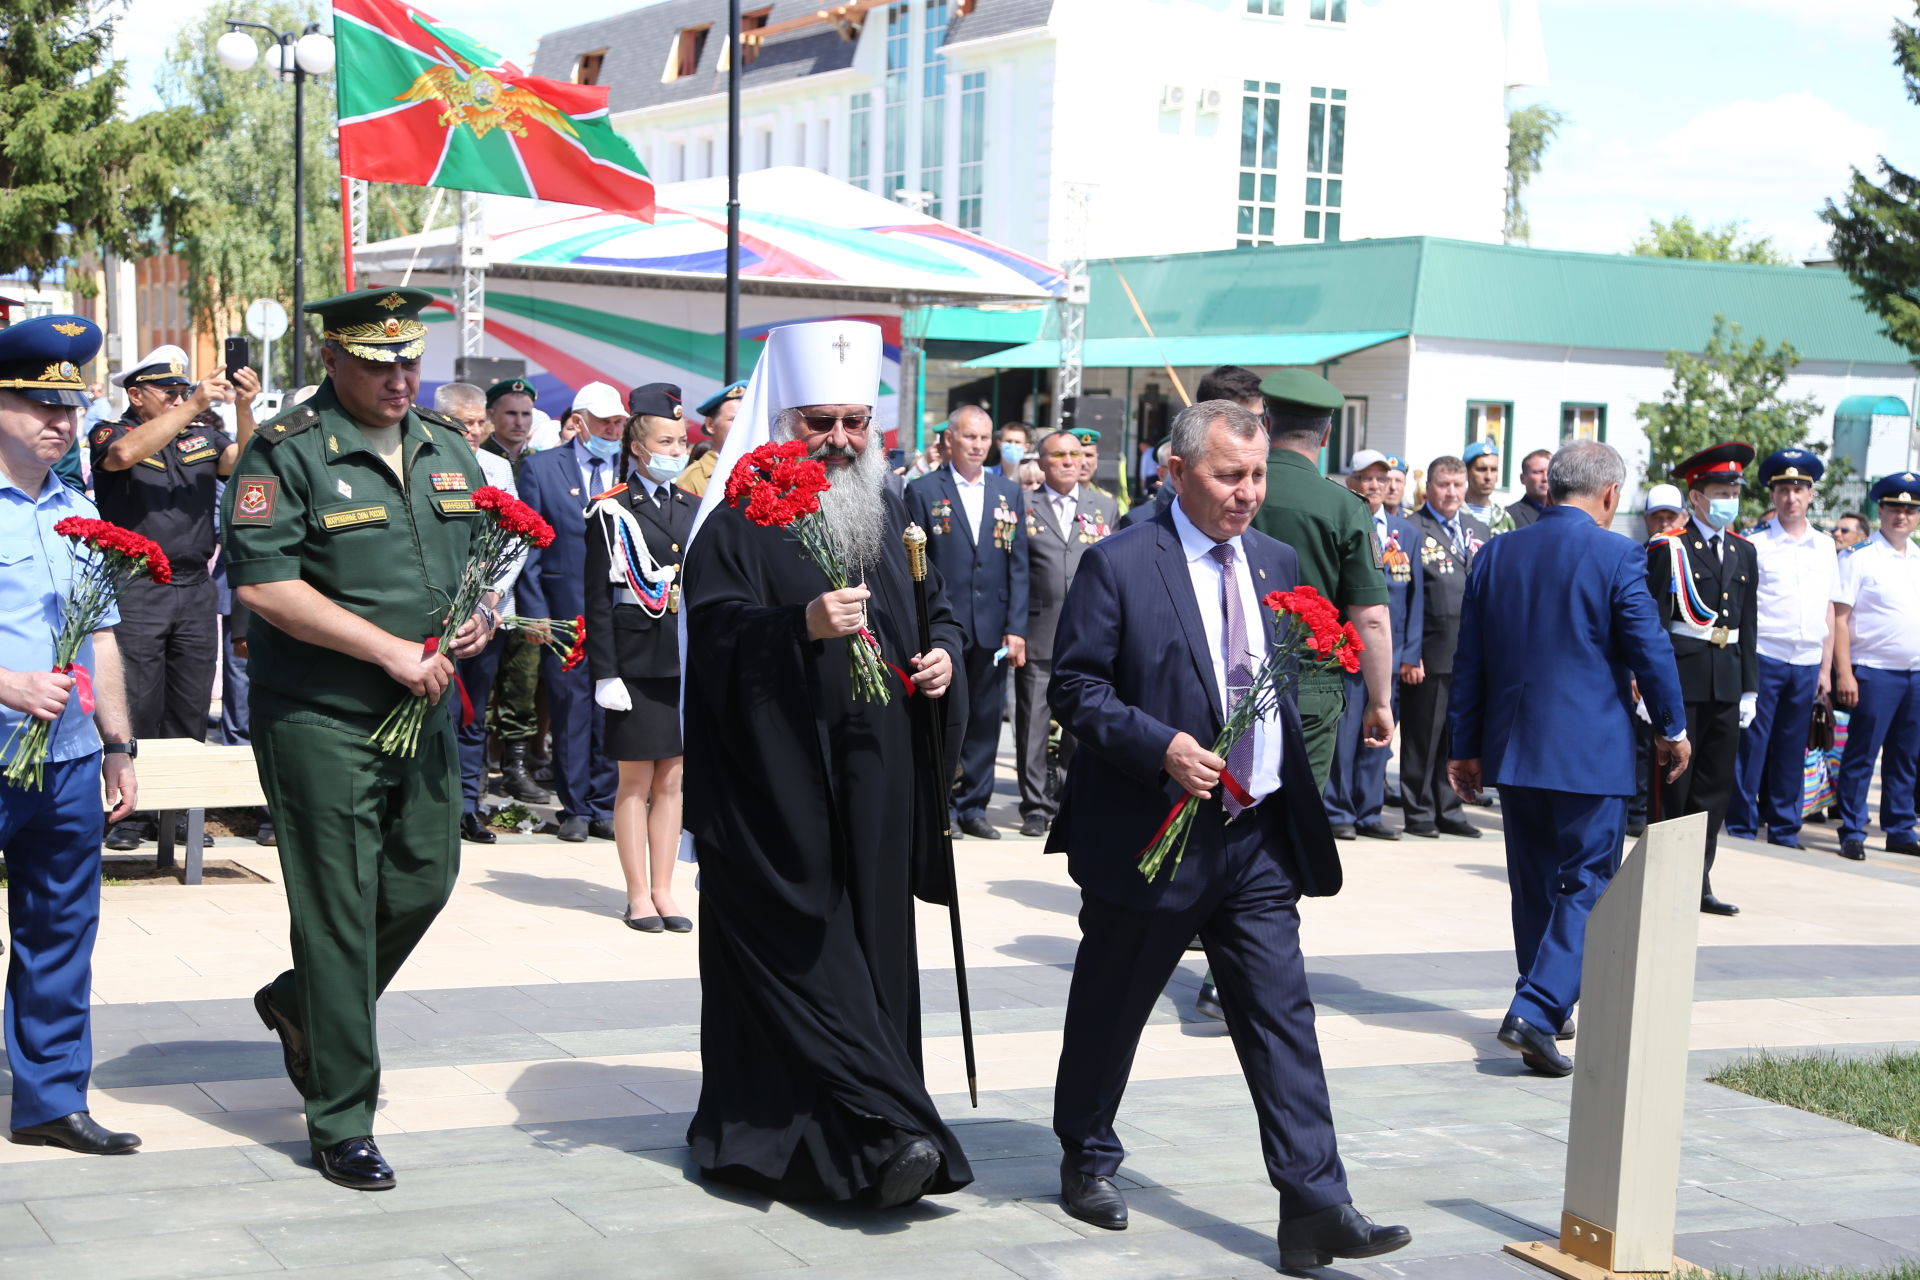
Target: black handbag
[[1820, 731]]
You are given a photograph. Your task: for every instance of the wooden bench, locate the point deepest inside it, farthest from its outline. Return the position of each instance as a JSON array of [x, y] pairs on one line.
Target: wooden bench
[[179, 774]]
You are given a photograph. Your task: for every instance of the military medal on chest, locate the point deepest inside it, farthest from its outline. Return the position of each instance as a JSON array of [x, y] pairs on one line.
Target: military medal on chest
[[1092, 528], [1399, 564], [942, 516], [1004, 526], [1436, 557]]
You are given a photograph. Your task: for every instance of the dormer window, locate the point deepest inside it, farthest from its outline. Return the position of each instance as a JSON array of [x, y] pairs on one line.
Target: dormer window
[[683, 55], [750, 24], [586, 68]]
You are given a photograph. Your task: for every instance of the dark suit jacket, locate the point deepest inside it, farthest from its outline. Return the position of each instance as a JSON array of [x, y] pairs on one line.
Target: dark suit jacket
[[1131, 669], [1731, 589], [1556, 626], [986, 577], [1053, 554], [1406, 600], [1445, 587], [624, 639], [553, 583]]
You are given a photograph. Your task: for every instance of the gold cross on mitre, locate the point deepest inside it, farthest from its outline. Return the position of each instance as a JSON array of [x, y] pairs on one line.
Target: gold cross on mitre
[[841, 345]]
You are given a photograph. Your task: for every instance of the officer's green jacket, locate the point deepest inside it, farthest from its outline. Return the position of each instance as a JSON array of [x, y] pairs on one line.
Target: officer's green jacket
[[309, 500], [1328, 526]]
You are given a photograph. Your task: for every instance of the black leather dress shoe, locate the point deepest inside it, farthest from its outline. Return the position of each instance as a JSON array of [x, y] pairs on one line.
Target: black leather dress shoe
[[906, 1175], [1714, 907], [1785, 842], [1457, 827], [474, 828], [1854, 850], [125, 836], [355, 1163], [1636, 828], [1341, 1231], [1565, 1032], [1536, 1047], [1207, 1003], [1034, 825], [1343, 831], [77, 1132], [574, 830], [601, 828], [979, 828], [293, 1041], [1904, 846], [1425, 830], [1093, 1199], [1376, 831], [1392, 800], [265, 835]]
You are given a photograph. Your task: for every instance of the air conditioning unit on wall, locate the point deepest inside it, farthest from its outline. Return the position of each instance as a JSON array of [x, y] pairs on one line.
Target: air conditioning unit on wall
[[1173, 98]]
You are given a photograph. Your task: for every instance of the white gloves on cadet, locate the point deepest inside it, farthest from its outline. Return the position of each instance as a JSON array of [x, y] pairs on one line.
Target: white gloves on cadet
[[613, 695], [1749, 708]]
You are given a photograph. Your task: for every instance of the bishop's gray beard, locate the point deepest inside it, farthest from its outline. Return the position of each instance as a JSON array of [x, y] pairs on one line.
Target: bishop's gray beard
[[855, 507]]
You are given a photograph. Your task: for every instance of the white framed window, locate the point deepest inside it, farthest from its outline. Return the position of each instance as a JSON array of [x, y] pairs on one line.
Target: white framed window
[[1258, 209], [1583, 422], [859, 139], [1267, 8], [1326, 163], [973, 147], [1493, 420], [1326, 10], [933, 100], [893, 154]]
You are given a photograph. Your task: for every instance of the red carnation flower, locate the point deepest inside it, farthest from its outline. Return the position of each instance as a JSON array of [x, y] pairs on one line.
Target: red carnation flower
[[578, 652]]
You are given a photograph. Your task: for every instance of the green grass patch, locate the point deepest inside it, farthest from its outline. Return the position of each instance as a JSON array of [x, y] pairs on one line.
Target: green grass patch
[[1880, 1093]]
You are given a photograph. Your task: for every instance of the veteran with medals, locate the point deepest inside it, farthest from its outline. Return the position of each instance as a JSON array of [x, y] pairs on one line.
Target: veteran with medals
[[349, 521]]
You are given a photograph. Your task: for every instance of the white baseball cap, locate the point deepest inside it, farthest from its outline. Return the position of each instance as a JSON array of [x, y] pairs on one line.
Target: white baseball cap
[[1366, 458], [1664, 497], [600, 400]]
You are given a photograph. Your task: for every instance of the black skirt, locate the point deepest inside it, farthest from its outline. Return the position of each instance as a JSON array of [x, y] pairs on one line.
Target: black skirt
[[651, 731]]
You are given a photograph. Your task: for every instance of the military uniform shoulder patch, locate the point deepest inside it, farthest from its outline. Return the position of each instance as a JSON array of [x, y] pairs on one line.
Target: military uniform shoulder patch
[[254, 502], [291, 423], [437, 418], [102, 434]]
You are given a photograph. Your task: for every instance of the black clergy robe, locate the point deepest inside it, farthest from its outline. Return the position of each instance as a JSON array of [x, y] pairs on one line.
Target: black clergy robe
[[811, 810]]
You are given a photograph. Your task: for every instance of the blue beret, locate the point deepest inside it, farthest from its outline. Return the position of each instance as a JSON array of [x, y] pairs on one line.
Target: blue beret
[[1479, 449], [41, 358], [711, 405]]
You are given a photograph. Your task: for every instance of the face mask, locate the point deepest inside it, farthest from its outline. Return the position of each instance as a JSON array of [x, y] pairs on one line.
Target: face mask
[[1722, 512], [1011, 454], [605, 450], [666, 468]]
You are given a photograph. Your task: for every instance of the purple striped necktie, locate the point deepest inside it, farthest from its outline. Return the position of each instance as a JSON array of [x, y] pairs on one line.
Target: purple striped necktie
[[1239, 674]]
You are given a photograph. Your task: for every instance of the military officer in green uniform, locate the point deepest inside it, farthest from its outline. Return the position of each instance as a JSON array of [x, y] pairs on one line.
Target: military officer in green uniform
[[348, 524]]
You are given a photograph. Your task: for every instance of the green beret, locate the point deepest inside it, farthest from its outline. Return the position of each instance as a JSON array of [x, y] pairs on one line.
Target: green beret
[[1085, 435], [1301, 393], [512, 387], [375, 324]]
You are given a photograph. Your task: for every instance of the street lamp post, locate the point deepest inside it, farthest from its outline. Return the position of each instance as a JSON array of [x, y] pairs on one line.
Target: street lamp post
[[296, 55]]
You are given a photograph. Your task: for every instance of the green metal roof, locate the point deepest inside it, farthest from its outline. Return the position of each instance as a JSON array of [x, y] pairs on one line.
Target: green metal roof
[[1435, 288], [1871, 407], [1224, 348]]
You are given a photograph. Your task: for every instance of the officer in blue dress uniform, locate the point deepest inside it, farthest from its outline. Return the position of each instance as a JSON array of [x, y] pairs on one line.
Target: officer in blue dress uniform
[[1799, 573], [1877, 669], [50, 834]]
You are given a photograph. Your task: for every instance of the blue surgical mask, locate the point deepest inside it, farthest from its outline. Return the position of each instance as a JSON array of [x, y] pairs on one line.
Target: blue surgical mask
[[1722, 512], [605, 450], [665, 467], [1011, 454]]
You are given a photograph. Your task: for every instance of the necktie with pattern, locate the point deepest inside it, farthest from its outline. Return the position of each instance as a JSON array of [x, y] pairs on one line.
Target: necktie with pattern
[[1239, 673]]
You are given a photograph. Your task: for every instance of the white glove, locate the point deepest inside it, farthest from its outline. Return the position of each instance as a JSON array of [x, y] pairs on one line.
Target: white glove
[[613, 695], [1749, 708], [1640, 709]]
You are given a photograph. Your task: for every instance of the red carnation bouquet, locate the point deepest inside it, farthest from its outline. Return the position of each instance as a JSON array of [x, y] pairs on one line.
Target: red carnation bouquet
[[508, 528], [106, 558], [1306, 635], [565, 637], [779, 486]]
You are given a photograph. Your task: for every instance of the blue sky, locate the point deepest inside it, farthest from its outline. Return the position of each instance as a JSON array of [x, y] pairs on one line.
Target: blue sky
[[1723, 109]]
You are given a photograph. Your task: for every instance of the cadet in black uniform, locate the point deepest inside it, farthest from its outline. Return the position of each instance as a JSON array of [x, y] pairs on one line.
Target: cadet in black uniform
[[1706, 581], [155, 472], [633, 647]]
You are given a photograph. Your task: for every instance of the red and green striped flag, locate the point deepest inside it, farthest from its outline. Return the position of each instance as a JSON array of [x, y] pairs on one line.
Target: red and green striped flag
[[424, 105]]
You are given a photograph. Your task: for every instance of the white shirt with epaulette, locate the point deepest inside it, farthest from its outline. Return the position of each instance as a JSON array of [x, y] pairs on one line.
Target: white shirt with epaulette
[[1798, 578], [1882, 587]]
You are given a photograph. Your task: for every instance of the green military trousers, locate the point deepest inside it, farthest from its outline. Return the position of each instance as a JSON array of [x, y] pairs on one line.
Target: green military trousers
[[369, 846], [512, 715], [1322, 699]]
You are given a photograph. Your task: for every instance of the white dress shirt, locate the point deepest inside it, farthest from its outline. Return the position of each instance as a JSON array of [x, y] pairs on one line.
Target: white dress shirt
[[973, 499], [1882, 587], [1798, 577], [1065, 506], [1205, 572]]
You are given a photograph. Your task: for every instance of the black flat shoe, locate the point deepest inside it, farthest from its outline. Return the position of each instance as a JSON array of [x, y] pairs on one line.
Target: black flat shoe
[[1207, 1003], [677, 924], [77, 1132], [906, 1175], [646, 924], [1714, 907], [1377, 831], [293, 1041], [1093, 1199], [1337, 1232], [980, 828], [1536, 1047], [356, 1164], [474, 829]]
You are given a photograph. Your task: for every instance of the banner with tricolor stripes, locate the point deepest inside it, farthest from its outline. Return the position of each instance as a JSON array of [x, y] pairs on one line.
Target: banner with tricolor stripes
[[424, 105]]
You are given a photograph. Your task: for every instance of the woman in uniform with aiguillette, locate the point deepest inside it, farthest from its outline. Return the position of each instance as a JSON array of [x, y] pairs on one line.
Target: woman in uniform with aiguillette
[[635, 532]]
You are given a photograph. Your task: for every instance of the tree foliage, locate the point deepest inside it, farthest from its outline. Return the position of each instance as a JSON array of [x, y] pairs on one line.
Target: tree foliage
[[74, 176], [1529, 131], [1876, 227], [1731, 391], [1679, 238]]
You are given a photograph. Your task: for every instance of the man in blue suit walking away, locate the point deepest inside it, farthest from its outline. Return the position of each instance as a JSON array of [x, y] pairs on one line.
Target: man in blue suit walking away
[[1161, 634], [1557, 624]]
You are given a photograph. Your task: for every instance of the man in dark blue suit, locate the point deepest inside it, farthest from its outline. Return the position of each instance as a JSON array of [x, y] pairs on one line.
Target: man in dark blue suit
[[559, 483], [973, 521], [1161, 633], [1556, 625]]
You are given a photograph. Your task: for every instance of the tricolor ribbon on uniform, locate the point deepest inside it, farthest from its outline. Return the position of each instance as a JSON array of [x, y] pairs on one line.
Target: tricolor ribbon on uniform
[[1693, 606]]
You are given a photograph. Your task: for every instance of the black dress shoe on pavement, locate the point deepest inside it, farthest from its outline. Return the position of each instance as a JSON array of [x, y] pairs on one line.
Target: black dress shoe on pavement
[[125, 836], [1565, 1032], [1456, 827], [1343, 831], [1376, 831], [1536, 1047], [1207, 1003], [474, 829], [265, 835], [1392, 800], [1854, 850], [647, 924], [1425, 830], [906, 1175], [1033, 826], [979, 828], [77, 1132], [293, 1041], [574, 830], [1904, 846], [1341, 1231], [1785, 842], [1714, 907], [601, 828], [1093, 1199], [677, 924], [357, 1164]]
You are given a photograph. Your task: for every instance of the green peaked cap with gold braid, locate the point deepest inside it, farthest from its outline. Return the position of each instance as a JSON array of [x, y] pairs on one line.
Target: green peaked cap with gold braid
[[375, 324]]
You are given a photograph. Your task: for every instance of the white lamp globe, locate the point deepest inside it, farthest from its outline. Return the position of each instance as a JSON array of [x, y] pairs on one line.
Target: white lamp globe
[[314, 52], [236, 51]]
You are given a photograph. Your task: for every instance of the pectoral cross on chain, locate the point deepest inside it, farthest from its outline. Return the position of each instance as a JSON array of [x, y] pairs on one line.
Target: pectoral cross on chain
[[841, 345]]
